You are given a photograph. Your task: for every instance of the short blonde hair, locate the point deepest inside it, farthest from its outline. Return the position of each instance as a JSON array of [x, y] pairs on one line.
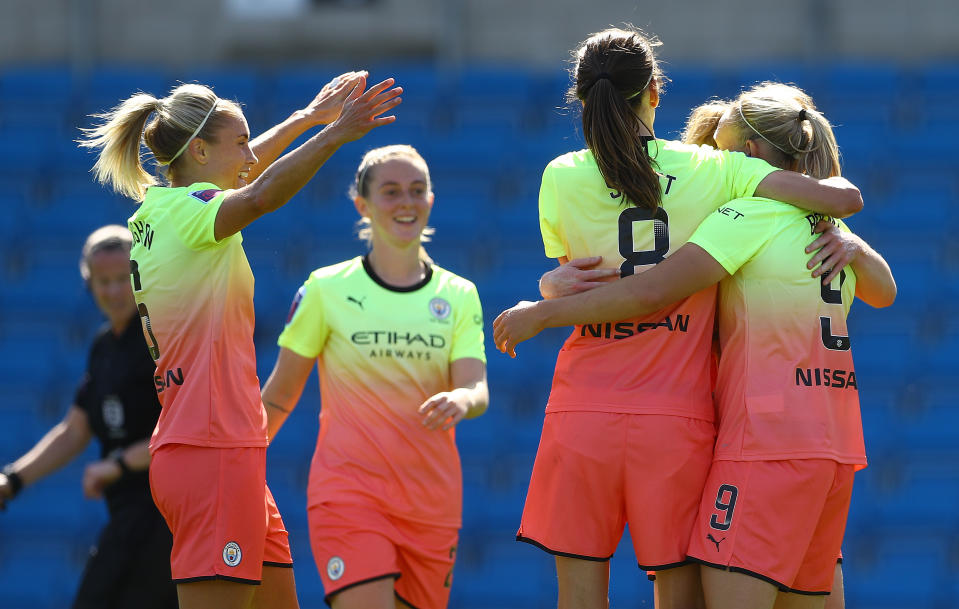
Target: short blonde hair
[[175, 118], [111, 237], [363, 177]]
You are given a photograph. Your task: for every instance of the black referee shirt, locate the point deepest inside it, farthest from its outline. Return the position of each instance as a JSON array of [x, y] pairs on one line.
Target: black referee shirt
[[118, 395]]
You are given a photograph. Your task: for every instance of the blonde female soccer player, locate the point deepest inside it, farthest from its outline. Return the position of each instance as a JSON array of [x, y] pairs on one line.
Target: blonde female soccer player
[[399, 346], [771, 518], [630, 414], [194, 293]]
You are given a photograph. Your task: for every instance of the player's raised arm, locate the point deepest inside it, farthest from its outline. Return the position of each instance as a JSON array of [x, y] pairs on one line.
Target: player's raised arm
[[361, 113], [322, 110]]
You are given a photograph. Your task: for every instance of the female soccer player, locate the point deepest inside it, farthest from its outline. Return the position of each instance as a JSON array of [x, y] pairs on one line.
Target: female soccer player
[[633, 199], [787, 394], [117, 403], [194, 292], [399, 345]]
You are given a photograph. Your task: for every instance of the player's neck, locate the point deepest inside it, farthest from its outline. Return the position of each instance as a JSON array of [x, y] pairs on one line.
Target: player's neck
[[399, 267]]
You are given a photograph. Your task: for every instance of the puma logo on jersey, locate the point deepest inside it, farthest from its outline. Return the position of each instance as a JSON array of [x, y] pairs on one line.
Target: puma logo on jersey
[[358, 302], [713, 539]]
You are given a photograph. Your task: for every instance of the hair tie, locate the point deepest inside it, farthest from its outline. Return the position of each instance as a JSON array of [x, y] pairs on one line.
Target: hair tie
[[802, 115], [195, 133], [603, 75]]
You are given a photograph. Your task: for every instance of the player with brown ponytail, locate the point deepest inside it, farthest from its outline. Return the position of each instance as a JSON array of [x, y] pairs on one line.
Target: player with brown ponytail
[[629, 427]]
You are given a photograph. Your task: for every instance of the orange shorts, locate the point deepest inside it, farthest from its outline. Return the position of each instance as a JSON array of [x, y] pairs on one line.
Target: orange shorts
[[781, 521], [357, 544], [595, 472], [224, 520]]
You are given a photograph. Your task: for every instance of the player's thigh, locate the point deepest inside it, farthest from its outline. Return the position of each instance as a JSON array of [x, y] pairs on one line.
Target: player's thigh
[[679, 588], [583, 584], [215, 594], [837, 598], [579, 465], [425, 556], [791, 600], [377, 594], [667, 464], [277, 590], [731, 590], [353, 546]]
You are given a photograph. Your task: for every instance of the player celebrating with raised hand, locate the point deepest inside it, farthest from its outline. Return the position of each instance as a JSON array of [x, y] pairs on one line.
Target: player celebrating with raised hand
[[786, 393], [399, 346], [194, 293], [630, 414]]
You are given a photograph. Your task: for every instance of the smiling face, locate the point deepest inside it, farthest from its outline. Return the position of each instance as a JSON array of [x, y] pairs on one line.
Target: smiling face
[[398, 201], [110, 284], [226, 158]]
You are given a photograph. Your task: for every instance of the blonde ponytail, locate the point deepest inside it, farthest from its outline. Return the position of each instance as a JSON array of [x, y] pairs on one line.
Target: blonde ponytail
[[189, 111], [786, 118], [119, 163]]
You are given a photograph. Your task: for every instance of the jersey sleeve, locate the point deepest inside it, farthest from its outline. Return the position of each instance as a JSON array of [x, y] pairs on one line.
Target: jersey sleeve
[[306, 329], [468, 327], [736, 231], [549, 215], [743, 174], [195, 214]]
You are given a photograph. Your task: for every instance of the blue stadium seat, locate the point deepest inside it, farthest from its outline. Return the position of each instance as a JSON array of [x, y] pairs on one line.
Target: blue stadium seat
[[529, 571], [890, 570], [109, 85]]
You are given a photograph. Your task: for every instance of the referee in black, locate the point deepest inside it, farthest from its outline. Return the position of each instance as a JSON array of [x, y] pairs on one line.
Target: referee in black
[[130, 566]]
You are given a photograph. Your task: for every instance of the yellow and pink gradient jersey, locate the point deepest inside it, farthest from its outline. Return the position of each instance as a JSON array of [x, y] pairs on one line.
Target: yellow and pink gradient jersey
[[787, 386], [381, 352], [660, 363], [195, 298]]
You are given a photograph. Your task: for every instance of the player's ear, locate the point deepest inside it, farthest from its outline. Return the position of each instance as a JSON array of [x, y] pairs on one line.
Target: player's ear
[[653, 93], [752, 149], [197, 149], [362, 207]]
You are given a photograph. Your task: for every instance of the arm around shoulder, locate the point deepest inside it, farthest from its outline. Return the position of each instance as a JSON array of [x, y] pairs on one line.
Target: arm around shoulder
[[835, 196]]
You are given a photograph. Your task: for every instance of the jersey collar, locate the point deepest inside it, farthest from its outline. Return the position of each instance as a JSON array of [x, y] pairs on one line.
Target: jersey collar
[[394, 288]]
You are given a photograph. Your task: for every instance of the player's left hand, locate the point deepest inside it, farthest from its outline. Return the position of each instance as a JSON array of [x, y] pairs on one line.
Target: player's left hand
[[326, 106], [515, 325], [837, 250], [98, 476], [443, 410]]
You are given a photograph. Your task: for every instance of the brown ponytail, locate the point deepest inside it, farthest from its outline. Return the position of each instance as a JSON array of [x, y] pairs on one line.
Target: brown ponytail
[[613, 69]]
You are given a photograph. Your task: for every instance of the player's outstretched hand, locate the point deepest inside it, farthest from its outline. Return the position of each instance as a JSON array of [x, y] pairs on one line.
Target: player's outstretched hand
[[326, 106], [514, 325], [577, 275], [362, 109], [98, 476], [444, 409], [837, 250]]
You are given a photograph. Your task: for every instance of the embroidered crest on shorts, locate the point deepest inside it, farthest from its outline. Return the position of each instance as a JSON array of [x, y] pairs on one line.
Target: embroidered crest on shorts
[[232, 555], [335, 568], [440, 308]]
